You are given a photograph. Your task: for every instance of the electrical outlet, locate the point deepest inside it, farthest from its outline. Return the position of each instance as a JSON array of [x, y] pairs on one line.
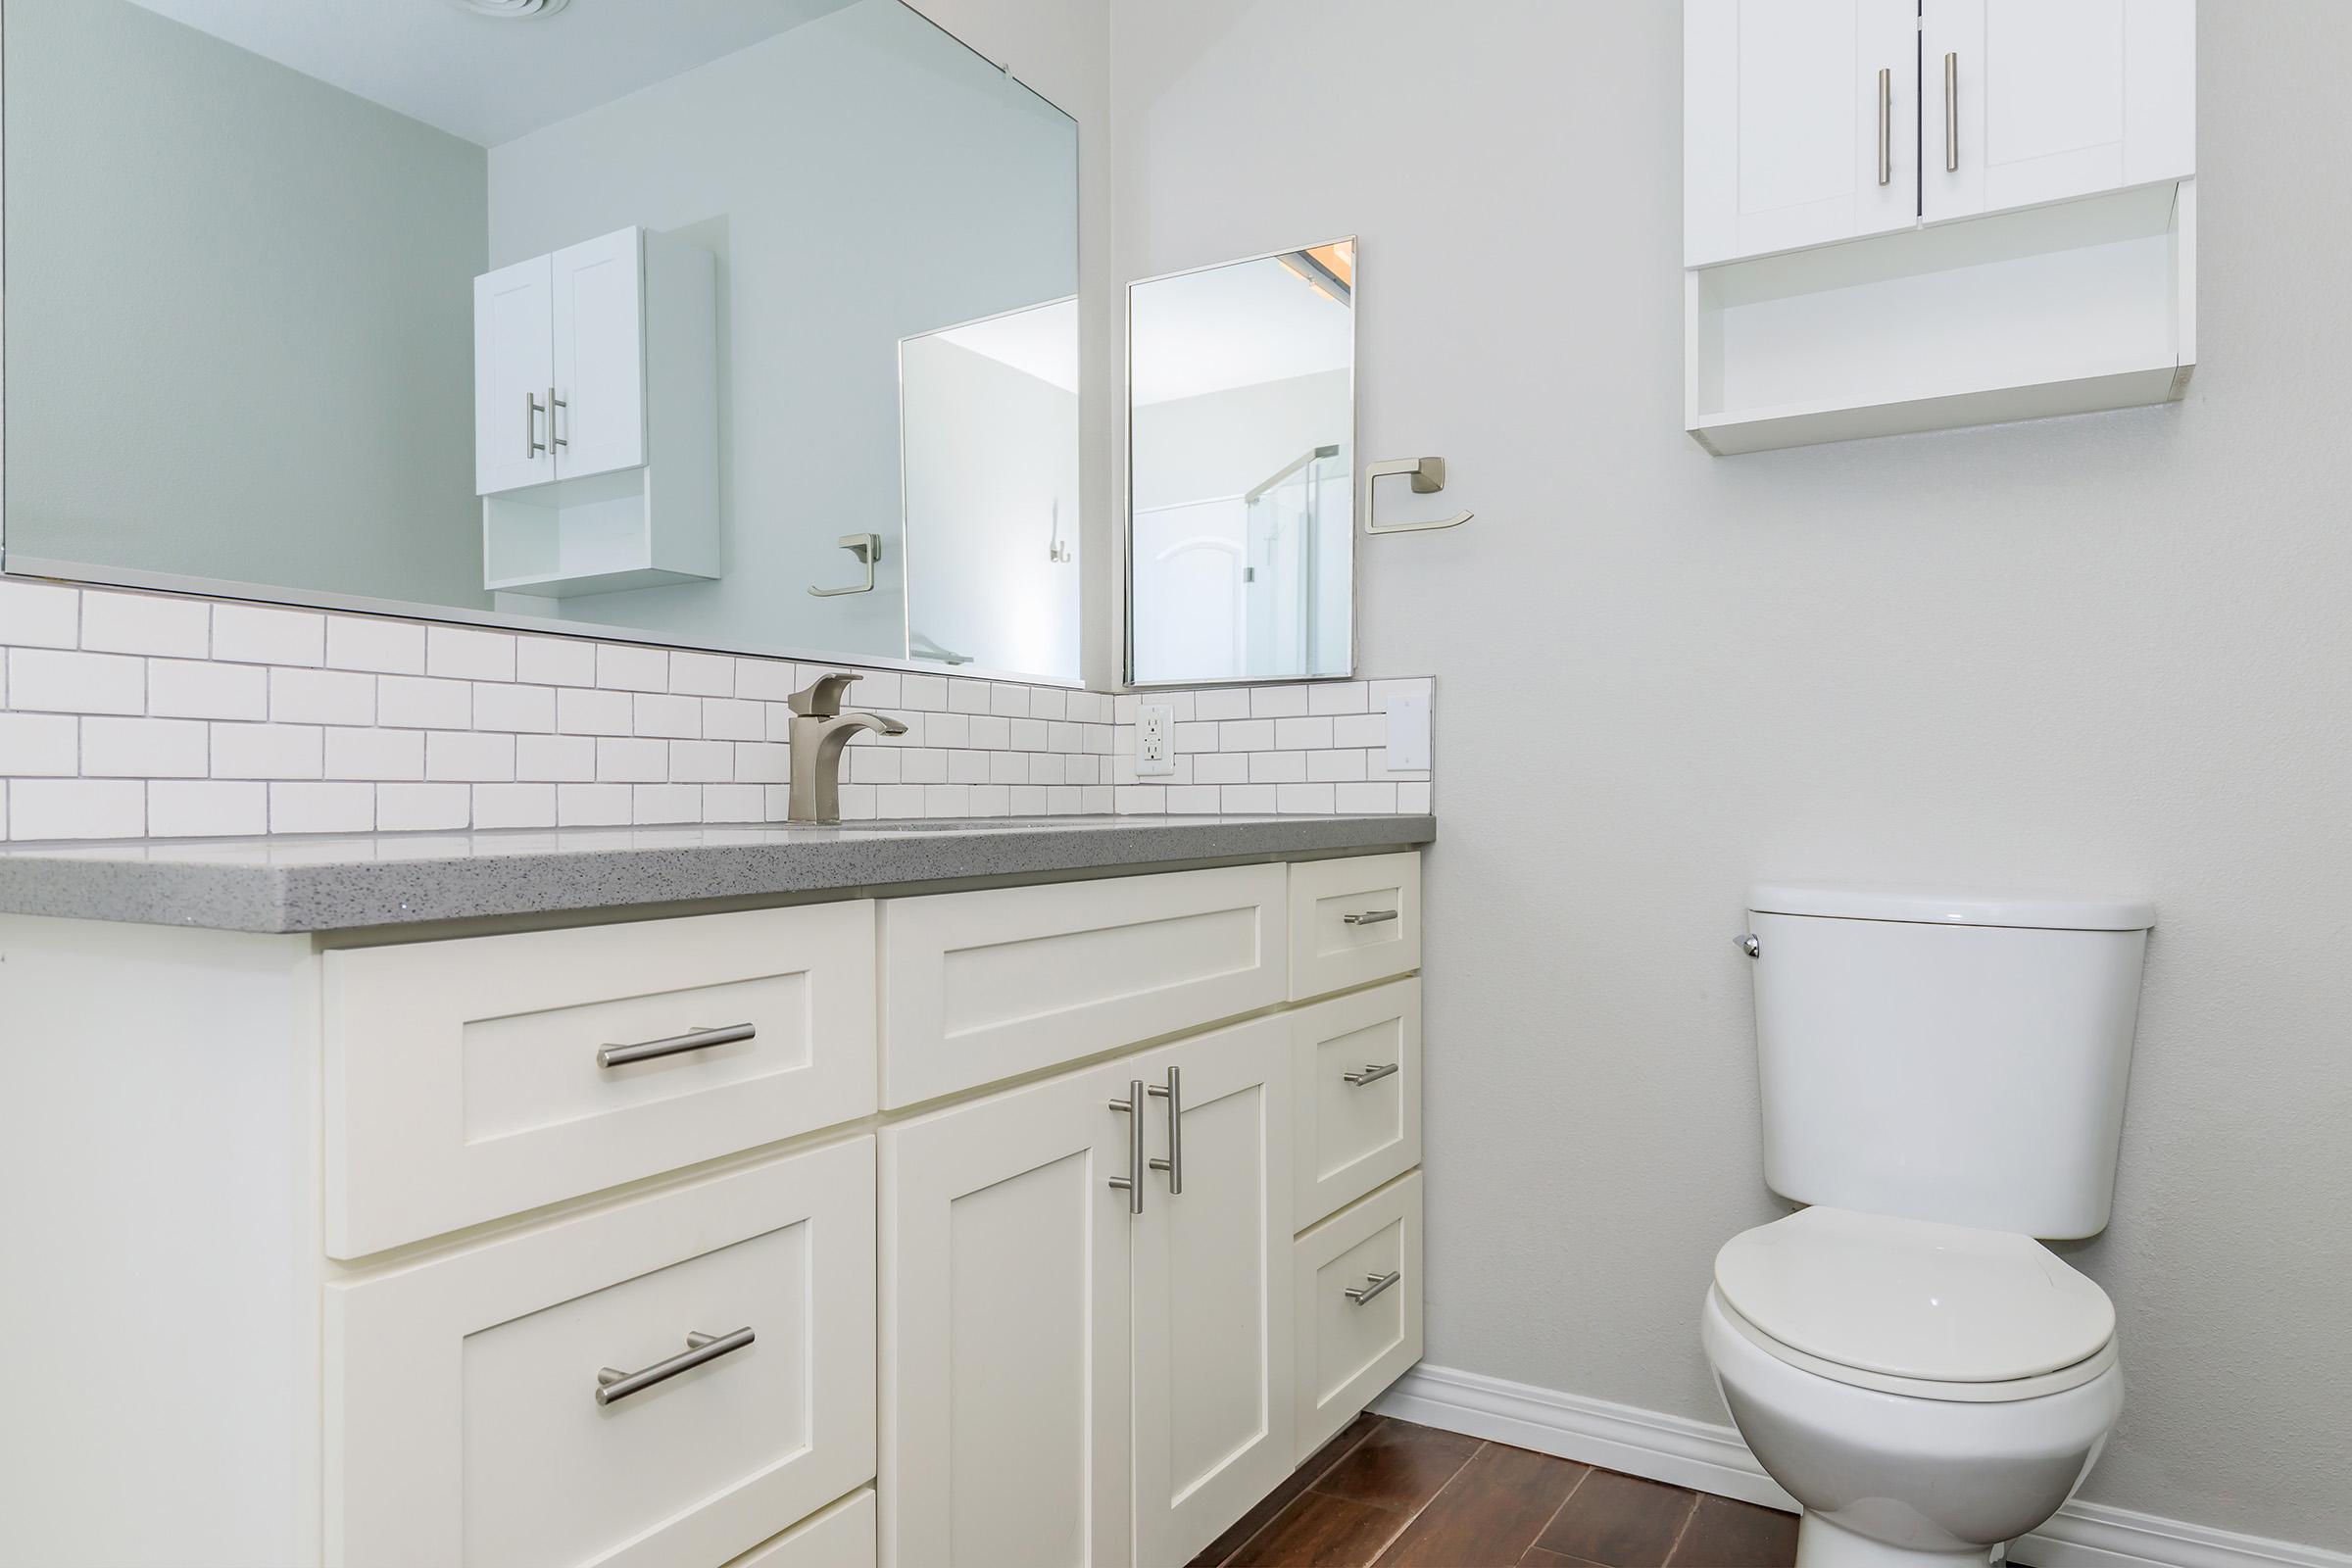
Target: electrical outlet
[[1154, 740]]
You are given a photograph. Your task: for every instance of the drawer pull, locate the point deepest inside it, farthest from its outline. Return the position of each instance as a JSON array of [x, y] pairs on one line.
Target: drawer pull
[[1131, 1184], [1369, 1074], [696, 1039], [1370, 917], [1373, 1285], [613, 1385], [1173, 1093]]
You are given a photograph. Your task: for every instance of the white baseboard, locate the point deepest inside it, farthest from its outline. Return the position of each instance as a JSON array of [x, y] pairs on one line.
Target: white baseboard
[[1706, 1457]]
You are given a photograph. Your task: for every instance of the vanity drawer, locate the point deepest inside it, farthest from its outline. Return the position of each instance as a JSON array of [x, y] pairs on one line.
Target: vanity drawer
[[466, 1079], [1354, 922], [463, 1423], [1355, 1072], [1348, 1350], [842, 1536], [983, 986]]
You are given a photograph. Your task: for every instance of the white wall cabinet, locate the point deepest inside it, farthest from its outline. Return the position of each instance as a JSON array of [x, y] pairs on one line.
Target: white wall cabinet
[[596, 416], [1916, 214]]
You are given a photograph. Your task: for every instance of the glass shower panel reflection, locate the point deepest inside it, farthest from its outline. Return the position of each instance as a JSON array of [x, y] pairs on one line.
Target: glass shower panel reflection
[[1294, 581]]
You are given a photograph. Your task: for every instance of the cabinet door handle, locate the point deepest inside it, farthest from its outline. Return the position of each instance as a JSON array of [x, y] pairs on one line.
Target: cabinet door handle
[[1131, 1184], [1370, 917], [613, 1385], [694, 1040], [1886, 128], [532, 411], [1373, 1285], [552, 403], [1951, 114], [1370, 1074], [1173, 1093]]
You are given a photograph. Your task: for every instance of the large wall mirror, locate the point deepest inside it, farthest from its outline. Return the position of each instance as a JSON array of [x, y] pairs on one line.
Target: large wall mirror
[[1241, 464], [734, 324]]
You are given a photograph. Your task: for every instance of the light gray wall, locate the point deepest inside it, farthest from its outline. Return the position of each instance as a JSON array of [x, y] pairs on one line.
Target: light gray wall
[[2105, 652], [239, 334], [1222, 443], [862, 178]]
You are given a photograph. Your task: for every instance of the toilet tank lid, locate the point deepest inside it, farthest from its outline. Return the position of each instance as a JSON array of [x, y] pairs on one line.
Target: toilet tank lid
[[1953, 909]]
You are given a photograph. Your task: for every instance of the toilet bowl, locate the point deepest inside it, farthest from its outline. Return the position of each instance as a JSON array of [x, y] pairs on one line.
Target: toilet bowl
[[1927, 1392]]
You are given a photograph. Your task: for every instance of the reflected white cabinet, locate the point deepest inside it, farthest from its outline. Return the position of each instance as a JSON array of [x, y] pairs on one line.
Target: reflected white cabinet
[[1916, 214], [596, 416]]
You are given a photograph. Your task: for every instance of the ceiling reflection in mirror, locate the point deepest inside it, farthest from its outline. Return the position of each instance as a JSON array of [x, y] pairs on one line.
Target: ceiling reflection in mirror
[[1241, 424], [742, 324]]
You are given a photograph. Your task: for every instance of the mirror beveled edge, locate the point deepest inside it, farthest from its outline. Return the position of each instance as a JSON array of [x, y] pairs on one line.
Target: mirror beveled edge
[[20, 568], [1126, 535]]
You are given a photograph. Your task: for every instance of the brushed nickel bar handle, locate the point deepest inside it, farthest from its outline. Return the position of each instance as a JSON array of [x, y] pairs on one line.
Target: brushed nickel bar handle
[[1951, 114], [532, 411], [1373, 1285], [1886, 128], [552, 403], [1371, 1073], [1131, 1184], [612, 1384], [697, 1039], [1173, 1093], [1370, 917]]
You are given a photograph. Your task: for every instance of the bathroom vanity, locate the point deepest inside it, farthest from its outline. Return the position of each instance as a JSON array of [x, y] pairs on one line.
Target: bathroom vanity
[[1000, 1192]]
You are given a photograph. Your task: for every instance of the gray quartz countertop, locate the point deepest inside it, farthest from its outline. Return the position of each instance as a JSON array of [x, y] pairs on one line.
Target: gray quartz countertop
[[390, 879]]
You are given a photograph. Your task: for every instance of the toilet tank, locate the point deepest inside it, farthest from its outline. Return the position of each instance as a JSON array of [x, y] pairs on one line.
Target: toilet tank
[[1960, 1059]]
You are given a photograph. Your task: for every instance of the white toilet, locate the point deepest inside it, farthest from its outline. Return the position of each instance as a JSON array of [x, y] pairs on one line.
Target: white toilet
[[1943, 1081]]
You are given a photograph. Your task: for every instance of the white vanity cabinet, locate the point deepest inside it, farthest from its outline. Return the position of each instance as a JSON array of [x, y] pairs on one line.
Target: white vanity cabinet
[[1915, 215], [1036, 1223], [596, 416]]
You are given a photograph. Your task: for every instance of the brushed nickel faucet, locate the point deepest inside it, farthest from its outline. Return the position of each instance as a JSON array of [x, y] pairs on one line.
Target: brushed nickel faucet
[[819, 731]]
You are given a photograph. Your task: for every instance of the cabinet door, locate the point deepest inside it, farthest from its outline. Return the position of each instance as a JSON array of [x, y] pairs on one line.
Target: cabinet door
[[514, 366], [1783, 107], [1215, 1413], [1005, 1258], [2034, 101], [600, 355]]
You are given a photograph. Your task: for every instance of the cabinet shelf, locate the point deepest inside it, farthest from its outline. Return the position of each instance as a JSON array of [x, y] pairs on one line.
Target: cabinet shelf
[[2072, 308]]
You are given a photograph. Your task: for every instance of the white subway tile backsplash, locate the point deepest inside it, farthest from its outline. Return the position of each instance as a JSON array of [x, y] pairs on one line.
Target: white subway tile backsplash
[[460, 652], [1221, 702], [321, 808], [765, 680], [191, 689], [77, 809], [1241, 735], [423, 808], [1335, 767], [526, 710], [594, 712], [1277, 767], [1370, 799], [380, 646], [554, 662], [969, 697], [730, 718], [701, 762], [470, 756], [734, 803], [625, 759], [145, 747], [1221, 767], [268, 751], [136, 624], [513, 805], [1313, 798], [1013, 701], [666, 803], [256, 634], [592, 805], [1339, 697], [620, 667], [554, 758], [1277, 702], [40, 744], [1360, 731], [702, 675], [192, 809], [321, 697], [416, 701], [1302, 734], [1413, 798], [668, 717], [927, 693], [54, 681], [34, 614], [375, 754], [758, 762]]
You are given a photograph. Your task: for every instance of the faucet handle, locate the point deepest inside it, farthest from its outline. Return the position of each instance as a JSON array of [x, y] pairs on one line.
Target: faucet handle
[[821, 698]]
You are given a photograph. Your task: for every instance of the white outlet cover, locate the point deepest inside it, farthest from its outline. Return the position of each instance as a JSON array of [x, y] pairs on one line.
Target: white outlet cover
[[1154, 740], [1408, 733]]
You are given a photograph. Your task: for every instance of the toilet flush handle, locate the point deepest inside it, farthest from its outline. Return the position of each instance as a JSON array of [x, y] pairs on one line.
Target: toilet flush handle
[[1751, 946]]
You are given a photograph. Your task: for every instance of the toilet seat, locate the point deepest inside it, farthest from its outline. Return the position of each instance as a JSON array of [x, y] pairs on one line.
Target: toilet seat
[[1915, 1308]]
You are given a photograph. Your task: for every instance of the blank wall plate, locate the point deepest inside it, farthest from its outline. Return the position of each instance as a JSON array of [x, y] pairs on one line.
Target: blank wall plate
[[1154, 740], [1408, 733]]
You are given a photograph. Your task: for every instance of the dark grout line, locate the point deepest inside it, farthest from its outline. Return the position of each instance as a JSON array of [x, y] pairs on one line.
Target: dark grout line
[[1242, 1545], [1563, 1509]]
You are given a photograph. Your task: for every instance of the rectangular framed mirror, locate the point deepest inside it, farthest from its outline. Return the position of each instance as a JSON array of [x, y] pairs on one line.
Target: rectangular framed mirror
[[621, 318], [1240, 470]]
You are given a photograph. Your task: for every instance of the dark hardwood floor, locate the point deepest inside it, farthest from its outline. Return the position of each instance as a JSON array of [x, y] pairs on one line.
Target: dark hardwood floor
[[1390, 1494]]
